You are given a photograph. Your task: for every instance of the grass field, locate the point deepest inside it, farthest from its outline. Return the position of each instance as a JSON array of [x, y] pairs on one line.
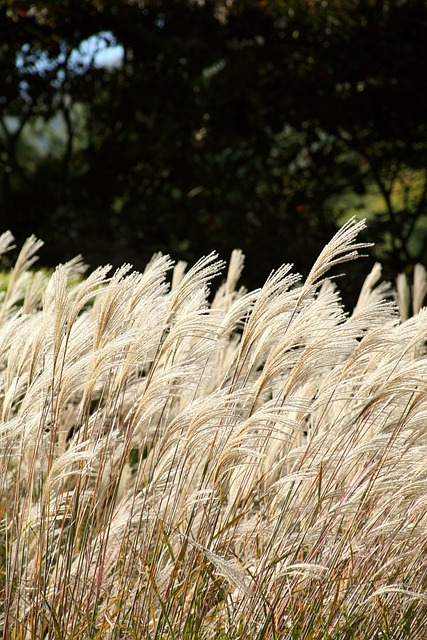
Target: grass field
[[250, 468]]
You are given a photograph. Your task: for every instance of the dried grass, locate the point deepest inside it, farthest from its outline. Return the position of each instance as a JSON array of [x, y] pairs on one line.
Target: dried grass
[[251, 468]]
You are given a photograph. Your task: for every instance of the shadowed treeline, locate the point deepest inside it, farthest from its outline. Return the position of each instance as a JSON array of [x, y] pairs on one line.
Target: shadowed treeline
[[257, 124]]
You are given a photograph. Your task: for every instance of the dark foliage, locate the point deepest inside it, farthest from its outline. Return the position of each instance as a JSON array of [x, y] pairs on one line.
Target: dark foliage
[[247, 124]]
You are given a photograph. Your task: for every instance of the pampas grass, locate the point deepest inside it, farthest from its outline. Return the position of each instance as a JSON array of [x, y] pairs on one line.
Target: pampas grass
[[173, 469]]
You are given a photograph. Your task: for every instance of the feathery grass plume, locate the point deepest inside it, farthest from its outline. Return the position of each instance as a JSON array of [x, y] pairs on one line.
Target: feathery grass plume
[[6, 242], [411, 298], [403, 295], [19, 275], [419, 291], [372, 291], [250, 468]]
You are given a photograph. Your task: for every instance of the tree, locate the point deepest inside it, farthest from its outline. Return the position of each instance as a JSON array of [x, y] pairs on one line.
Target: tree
[[226, 124]]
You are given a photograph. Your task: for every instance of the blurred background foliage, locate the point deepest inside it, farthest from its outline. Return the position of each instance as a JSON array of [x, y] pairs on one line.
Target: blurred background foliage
[[130, 126]]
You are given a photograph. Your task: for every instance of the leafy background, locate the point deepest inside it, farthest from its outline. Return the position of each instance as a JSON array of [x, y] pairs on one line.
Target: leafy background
[[258, 124]]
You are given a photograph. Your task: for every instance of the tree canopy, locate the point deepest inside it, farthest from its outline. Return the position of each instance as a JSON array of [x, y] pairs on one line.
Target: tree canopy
[[251, 123]]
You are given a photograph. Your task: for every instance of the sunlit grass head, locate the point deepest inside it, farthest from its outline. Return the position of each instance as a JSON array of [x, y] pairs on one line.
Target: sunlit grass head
[[254, 467]]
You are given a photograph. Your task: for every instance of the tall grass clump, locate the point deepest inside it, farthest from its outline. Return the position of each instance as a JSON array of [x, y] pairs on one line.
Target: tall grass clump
[[250, 468]]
